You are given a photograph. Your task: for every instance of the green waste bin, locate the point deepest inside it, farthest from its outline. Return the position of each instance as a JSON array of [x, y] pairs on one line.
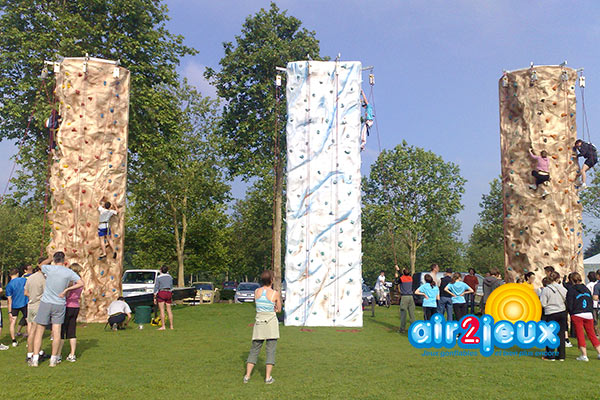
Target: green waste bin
[[143, 314]]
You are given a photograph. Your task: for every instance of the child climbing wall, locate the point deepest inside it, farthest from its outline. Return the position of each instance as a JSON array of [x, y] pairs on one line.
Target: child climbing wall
[[542, 226], [323, 257], [89, 164]]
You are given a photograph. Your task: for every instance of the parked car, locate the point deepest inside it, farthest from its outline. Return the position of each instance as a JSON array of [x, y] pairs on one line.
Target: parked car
[[245, 292], [139, 281], [367, 295], [230, 285], [205, 293]]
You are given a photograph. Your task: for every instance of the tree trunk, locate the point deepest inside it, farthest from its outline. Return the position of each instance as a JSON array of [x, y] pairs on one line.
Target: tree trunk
[[180, 241], [277, 221], [412, 248]]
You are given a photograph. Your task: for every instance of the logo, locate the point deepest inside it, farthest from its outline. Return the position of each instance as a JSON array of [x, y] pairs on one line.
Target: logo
[[512, 318]]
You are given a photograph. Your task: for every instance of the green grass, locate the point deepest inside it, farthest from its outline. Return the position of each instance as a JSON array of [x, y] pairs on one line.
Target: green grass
[[204, 359]]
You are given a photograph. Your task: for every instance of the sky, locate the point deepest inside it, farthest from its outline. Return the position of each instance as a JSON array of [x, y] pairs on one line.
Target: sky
[[436, 65]]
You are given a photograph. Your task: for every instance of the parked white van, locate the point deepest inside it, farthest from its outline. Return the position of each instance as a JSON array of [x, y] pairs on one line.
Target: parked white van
[[139, 281]]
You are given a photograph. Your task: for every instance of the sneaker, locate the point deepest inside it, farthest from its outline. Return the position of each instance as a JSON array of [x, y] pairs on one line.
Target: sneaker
[[246, 379], [3, 347], [115, 327], [59, 360], [269, 381], [52, 363], [533, 187], [71, 358], [548, 359], [582, 358], [568, 344], [15, 343], [33, 363]]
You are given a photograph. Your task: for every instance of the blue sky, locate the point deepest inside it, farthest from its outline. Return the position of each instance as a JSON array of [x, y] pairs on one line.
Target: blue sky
[[437, 65]]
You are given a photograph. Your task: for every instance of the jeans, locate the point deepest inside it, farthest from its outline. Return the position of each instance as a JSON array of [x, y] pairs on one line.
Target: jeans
[[470, 299], [428, 312], [407, 305], [445, 304]]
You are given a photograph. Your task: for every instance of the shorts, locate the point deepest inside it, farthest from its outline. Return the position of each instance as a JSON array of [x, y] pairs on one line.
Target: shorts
[[15, 311], [50, 314], [590, 162], [67, 331], [32, 310], [164, 296], [104, 232]]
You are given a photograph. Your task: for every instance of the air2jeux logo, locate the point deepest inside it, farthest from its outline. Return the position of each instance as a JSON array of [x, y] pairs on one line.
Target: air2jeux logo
[[516, 309]]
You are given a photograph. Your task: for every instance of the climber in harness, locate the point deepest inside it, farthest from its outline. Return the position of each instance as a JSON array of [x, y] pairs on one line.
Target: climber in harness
[[53, 123], [368, 120], [106, 211], [540, 173], [587, 151]]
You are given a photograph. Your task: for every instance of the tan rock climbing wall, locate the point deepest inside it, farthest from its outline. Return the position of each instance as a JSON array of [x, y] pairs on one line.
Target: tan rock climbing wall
[[537, 110], [90, 163]]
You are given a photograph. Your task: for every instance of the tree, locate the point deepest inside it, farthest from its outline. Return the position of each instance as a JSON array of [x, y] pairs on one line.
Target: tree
[[412, 192], [132, 31], [179, 184], [253, 123], [594, 246], [486, 243]]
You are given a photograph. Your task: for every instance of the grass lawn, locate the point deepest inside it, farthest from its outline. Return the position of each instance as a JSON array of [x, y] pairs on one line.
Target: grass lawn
[[204, 358]]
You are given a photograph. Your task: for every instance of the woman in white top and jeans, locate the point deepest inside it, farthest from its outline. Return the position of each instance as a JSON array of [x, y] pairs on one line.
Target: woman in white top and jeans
[[266, 326]]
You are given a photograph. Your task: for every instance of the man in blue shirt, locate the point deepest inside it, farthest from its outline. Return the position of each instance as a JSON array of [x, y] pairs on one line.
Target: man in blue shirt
[[53, 304], [17, 301]]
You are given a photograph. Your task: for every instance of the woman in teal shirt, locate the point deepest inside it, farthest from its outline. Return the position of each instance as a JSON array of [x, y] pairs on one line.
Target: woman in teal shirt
[[432, 295], [457, 290]]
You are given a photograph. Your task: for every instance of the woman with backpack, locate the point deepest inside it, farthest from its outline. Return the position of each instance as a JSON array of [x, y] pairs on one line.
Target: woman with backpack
[[553, 298], [580, 307]]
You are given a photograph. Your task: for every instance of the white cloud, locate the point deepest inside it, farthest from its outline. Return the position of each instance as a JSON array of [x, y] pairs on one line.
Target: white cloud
[[194, 72]]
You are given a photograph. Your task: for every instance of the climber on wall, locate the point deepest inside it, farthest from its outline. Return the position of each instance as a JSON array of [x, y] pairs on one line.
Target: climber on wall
[[540, 173], [106, 211], [587, 151], [368, 120], [53, 123]]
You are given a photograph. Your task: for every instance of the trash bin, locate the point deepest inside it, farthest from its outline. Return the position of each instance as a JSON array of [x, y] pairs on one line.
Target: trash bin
[[143, 314]]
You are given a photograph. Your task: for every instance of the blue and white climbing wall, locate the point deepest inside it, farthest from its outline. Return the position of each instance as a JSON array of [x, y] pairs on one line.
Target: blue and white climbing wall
[[323, 256]]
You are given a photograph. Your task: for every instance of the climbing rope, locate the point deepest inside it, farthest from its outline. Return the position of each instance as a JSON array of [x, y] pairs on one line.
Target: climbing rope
[[584, 123]]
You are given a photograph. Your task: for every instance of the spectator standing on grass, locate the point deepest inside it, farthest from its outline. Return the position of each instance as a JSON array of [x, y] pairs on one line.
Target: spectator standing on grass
[[553, 298], [34, 288], [17, 301], [445, 303], [431, 295], [407, 302], [473, 282], [266, 326], [69, 327], [53, 304], [579, 305], [163, 295], [489, 284], [2, 346], [457, 290], [379, 287], [590, 285]]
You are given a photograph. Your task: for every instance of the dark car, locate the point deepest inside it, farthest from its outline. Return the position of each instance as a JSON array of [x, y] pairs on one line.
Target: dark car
[[230, 285]]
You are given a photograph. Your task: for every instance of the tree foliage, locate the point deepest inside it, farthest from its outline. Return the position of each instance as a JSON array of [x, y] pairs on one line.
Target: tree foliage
[[411, 193], [486, 243], [132, 31]]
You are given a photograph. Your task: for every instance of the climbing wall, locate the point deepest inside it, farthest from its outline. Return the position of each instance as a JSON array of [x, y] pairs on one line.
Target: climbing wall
[[89, 163], [541, 227], [323, 257]]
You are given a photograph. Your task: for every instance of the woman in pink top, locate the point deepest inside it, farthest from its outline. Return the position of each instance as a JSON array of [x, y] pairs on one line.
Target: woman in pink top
[[69, 326], [541, 172]]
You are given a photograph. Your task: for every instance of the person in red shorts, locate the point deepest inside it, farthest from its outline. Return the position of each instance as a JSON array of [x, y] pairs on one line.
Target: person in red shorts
[[580, 307], [163, 295]]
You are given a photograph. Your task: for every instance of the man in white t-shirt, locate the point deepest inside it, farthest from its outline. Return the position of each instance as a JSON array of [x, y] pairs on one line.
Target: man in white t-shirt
[[106, 211], [117, 311], [379, 286]]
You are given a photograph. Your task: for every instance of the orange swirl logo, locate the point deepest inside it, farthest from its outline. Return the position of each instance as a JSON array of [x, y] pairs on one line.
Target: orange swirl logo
[[514, 302]]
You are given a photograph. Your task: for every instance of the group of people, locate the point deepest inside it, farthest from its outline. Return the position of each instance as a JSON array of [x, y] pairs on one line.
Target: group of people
[[47, 295]]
